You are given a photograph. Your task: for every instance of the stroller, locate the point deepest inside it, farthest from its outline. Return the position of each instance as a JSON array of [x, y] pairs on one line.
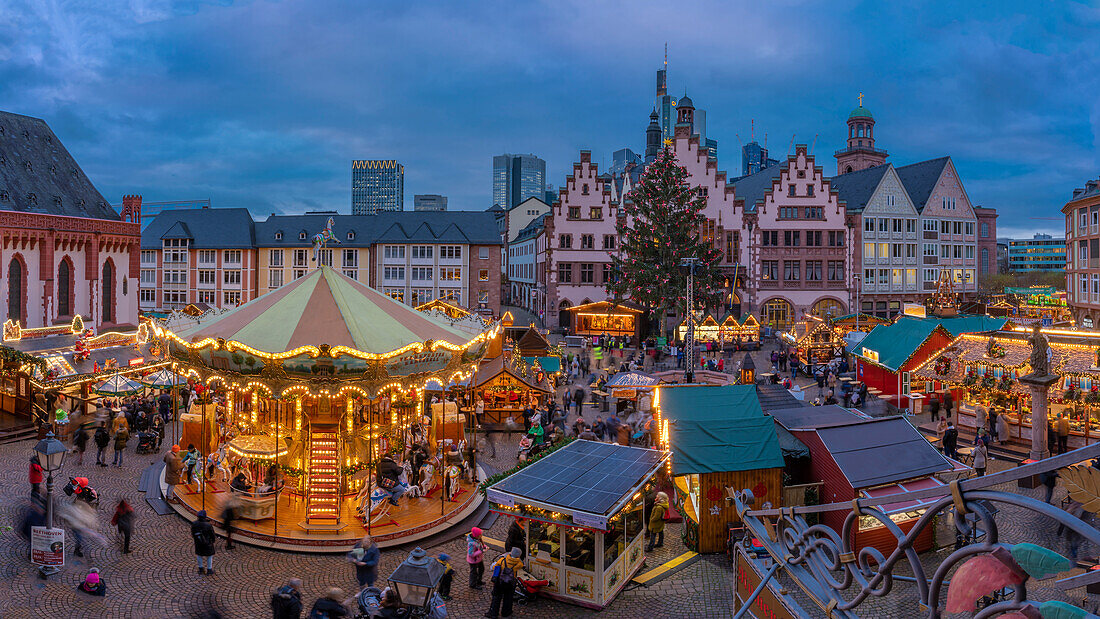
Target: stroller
[[527, 587], [369, 606], [147, 443]]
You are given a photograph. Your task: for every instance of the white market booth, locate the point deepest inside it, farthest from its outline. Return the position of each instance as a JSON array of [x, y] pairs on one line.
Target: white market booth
[[582, 511]]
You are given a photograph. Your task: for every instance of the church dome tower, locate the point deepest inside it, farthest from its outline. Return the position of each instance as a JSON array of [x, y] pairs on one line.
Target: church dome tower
[[652, 138], [861, 152]]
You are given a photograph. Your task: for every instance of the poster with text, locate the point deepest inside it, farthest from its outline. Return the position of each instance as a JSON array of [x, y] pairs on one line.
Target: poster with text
[[47, 546]]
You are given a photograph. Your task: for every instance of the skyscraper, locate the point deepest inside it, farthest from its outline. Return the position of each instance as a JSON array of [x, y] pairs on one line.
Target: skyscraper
[[516, 178], [377, 185], [666, 114], [429, 202]]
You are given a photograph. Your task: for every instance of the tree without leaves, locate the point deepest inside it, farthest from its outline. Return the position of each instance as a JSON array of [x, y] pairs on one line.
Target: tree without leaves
[[661, 227]]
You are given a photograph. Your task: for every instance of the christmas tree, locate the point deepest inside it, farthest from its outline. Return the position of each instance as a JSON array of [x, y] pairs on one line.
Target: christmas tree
[[664, 218]]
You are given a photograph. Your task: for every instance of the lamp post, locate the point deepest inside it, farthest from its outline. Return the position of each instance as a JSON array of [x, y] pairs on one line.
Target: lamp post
[[690, 264], [416, 579], [51, 456]]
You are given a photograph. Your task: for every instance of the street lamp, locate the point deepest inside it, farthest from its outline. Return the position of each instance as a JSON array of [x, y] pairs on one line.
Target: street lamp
[[690, 265], [748, 370], [51, 456], [416, 579]]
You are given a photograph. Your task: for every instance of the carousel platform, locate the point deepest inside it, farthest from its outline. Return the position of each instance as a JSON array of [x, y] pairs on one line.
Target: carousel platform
[[412, 520]]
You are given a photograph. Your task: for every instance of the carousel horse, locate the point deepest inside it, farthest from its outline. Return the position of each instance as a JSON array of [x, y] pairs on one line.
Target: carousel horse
[[217, 461], [451, 476], [427, 475], [378, 498], [321, 239]]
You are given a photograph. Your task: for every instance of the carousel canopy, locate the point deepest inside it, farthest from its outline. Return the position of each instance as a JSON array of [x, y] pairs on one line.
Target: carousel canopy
[[326, 307]]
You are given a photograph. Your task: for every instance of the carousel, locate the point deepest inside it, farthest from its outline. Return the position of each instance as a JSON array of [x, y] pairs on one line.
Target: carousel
[[313, 420]]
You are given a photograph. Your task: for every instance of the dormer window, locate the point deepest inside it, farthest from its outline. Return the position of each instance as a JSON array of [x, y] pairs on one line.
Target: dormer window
[[302, 235], [351, 235], [278, 236], [33, 199]]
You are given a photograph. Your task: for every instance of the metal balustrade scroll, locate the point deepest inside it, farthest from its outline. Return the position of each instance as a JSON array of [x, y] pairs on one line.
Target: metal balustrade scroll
[[824, 565]]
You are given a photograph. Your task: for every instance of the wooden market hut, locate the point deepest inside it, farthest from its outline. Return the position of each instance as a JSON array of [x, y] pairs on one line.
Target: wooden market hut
[[860, 321], [449, 309], [886, 358], [1001, 308], [606, 318], [721, 442], [982, 371], [582, 511], [816, 341], [853, 456], [507, 384]]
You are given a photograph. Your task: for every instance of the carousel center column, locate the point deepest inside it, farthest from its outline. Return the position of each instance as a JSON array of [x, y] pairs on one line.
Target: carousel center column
[[1040, 409]]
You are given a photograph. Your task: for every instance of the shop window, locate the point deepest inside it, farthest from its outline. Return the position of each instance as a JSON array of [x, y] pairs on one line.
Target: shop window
[[544, 541], [580, 549]]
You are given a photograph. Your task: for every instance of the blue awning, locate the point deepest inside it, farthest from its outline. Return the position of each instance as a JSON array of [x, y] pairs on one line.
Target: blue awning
[[548, 364]]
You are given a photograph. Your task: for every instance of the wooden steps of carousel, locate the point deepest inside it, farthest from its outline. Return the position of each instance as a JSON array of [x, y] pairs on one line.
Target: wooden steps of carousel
[[326, 525]]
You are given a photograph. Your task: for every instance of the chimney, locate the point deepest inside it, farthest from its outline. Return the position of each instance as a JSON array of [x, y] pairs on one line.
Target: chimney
[[1077, 192], [131, 209]]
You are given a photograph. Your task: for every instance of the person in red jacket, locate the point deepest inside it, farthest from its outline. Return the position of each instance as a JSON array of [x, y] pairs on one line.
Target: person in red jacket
[[35, 476]]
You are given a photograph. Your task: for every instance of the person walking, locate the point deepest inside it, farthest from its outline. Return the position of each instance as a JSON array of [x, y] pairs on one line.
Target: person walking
[[34, 476], [505, 570], [1063, 433], [475, 557], [1049, 479], [448, 576], [1002, 429], [365, 556], [948, 403], [173, 469], [286, 601], [578, 397], [981, 458], [329, 607], [80, 444], [121, 438], [567, 399], [934, 408], [123, 520], [516, 537], [657, 522], [230, 513], [202, 533], [102, 439]]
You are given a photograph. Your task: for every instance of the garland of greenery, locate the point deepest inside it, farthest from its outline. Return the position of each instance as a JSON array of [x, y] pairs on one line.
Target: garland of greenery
[[18, 359], [522, 465]]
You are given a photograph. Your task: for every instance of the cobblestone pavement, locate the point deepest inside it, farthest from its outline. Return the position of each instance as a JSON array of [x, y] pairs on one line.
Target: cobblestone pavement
[[159, 578]]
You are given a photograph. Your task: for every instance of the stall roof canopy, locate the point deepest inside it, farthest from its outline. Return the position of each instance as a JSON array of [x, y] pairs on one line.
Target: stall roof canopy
[[715, 429], [498, 365], [550, 364], [1043, 290], [606, 307], [632, 379], [791, 446], [583, 476], [805, 417], [774, 397], [533, 343], [881, 451], [892, 345], [326, 307]]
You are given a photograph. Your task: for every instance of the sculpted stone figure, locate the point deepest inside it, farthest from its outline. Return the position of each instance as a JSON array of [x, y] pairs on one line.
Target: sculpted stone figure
[[1040, 351]]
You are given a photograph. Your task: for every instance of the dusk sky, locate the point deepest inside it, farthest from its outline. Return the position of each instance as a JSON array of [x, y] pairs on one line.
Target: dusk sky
[[264, 104]]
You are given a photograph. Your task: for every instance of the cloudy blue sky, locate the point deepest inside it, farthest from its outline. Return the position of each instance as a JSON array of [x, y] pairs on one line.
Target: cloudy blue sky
[[264, 103]]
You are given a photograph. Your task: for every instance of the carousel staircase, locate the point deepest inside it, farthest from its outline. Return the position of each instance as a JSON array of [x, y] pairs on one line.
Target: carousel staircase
[[323, 494]]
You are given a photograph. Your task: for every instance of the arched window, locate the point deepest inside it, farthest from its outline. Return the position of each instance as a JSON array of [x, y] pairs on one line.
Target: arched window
[[828, 308], [777, 314], [847, 169], [108, 283], [15, 292], [64, 293]]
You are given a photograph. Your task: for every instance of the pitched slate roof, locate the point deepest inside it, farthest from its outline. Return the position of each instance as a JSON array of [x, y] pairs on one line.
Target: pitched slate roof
[[205, 228], [881, 451], [532, 229], [856, 188], [920, 179], [37, 174], [472, 227], [753, 187]]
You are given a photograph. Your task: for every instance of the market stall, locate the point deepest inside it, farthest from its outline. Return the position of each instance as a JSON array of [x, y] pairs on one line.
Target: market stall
[[1044, 304], [815, 341], [313, 384], [886, 358], [606, 318], [583, 516], [721, 442], [508, 385], [858, 322], [855, 457], [983, 373]]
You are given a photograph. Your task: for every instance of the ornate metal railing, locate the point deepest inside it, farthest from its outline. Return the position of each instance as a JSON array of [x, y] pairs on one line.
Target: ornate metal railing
[[825, 565]]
